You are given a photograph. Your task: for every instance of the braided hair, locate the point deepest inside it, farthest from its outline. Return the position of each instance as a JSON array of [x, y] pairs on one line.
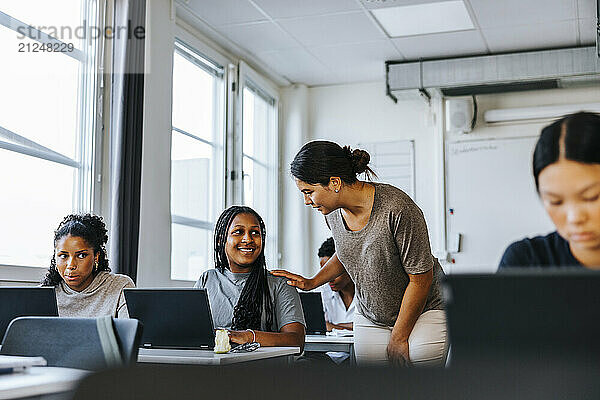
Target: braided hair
[[90, 228], [248, 310]]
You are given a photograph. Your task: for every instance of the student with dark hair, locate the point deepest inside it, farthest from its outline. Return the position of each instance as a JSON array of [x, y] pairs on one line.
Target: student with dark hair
[[339, 302], [566, 169], [382, 242], [244, 297], [79, 270]]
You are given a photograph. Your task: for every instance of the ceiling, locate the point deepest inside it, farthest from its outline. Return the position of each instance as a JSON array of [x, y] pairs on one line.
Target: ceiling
[[323, 42]]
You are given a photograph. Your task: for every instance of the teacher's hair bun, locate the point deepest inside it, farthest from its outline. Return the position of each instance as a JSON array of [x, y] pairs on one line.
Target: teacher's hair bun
[[359, 159]]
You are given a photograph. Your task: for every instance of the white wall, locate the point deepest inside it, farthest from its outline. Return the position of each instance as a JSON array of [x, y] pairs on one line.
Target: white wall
[[294, 218]]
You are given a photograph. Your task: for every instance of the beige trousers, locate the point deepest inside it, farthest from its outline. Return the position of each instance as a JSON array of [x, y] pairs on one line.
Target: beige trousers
[[427, 343]]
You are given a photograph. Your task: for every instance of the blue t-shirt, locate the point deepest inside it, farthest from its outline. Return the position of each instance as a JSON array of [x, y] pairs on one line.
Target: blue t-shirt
[[541, 251]]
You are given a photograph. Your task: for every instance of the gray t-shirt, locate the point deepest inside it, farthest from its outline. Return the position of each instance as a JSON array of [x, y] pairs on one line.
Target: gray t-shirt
[[224, 290], [104, 296], [378, 257]]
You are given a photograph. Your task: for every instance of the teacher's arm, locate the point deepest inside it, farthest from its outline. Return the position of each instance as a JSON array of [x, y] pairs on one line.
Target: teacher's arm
[[412, 241], [411, 308], [331, 270]]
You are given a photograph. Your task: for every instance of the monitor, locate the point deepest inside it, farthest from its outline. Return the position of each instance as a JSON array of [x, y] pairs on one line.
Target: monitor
[[524, 315], [312, 305], [25, 301]]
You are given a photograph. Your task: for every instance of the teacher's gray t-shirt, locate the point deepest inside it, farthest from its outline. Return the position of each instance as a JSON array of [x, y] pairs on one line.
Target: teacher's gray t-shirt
[[224, 290], [379, 257]]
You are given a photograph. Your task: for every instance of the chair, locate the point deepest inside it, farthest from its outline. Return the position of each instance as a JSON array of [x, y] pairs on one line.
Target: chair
[[83, 343], [129, 337]]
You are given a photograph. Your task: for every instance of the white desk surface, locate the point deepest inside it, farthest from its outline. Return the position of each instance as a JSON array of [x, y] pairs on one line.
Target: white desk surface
[[329, 339], [37, 381], [208, 357]]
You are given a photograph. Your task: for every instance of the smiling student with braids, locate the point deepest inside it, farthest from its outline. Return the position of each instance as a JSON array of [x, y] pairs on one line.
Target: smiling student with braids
[[79, 270], [255, 305]]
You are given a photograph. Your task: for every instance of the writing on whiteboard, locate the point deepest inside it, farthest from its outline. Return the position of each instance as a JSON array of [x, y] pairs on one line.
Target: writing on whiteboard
[[473, 148]]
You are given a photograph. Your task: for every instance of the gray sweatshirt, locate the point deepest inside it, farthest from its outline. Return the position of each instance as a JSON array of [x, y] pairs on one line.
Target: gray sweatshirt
[[104, 296]]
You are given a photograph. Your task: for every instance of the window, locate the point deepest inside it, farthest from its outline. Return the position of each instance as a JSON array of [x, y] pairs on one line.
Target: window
[[197, 160], [47, 122], [260, 157]]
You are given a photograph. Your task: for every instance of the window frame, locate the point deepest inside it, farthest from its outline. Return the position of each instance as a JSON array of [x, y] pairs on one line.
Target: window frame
[[247, 76], [194, 44], [88, 148]]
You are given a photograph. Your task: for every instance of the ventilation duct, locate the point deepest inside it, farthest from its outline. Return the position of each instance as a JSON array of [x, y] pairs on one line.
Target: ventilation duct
[[532, 70]]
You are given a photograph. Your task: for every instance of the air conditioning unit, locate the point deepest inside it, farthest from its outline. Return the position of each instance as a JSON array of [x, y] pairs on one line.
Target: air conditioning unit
[[537, 113]]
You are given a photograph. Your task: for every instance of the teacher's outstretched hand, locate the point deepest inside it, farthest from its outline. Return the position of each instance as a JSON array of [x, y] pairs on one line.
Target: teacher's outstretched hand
[[295, 280], [331, 270]]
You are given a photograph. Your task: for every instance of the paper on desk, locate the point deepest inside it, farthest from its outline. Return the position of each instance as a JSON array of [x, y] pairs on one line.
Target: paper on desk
[[16, 363], [340, 332]]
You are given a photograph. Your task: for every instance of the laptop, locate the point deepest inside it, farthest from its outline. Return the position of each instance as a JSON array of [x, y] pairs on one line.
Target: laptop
[[172, 318], [312, 305], [25, 301], [524, 316]]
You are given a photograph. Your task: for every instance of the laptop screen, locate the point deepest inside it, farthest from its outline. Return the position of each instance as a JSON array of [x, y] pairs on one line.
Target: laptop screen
[[523, 315], [312, 304], [172, 318], [25, 301]]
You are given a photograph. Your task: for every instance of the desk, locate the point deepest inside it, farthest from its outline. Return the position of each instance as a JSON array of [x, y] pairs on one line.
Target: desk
[[208, 357], [324, 343], [39, 381]]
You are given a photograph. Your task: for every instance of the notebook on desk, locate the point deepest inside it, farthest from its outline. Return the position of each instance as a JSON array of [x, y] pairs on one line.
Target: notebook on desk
[[24, 302], [172, 318], [312, 305]]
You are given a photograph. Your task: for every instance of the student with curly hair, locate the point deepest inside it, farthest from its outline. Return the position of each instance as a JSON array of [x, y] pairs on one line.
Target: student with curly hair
[[244, 297], [79, 270]]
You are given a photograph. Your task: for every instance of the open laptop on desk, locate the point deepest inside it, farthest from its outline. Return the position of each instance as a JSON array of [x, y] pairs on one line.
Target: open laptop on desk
[[172, 318], [23, 302], [528, 317], [312, 305]]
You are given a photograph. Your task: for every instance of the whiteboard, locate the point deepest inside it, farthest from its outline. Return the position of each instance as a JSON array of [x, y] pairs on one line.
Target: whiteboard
[[490, 200], [394, 163]]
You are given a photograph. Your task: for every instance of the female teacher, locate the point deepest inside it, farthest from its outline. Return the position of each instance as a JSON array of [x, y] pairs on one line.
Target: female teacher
[[381, 240]]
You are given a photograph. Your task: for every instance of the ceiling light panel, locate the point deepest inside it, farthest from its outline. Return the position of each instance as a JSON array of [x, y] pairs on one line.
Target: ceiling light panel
[[421, 19]]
